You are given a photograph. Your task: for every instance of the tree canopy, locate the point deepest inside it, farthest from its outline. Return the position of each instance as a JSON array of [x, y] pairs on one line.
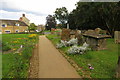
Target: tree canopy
[[50, 22], [61, 14], [90, 15], [32, 27]]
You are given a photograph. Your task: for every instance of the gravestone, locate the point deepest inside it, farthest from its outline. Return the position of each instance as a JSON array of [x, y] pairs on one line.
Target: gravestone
[[97, 30], [73, 34], [65, 35], [117, 36], [52, 30], [58, 32], [79, 37]]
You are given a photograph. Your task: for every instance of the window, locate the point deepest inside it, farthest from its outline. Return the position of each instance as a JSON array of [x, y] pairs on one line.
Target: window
[[4, 25], [7, 31], [17, 31], [17, 24]]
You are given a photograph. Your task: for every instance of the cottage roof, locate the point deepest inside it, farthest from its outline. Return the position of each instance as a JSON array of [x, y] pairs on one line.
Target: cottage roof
[[12, 22]]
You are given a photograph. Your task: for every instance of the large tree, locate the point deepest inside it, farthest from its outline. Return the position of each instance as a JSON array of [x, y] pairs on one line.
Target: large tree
[[50, 22], [61, 14], [105, 15]]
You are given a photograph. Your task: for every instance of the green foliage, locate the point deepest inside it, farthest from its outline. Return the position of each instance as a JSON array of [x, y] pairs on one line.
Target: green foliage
[[5, 47], [62, 15], [91, 15], [51, 22], [32, 26]]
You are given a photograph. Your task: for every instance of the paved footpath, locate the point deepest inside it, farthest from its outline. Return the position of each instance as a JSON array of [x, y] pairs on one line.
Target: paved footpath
[[51, 62]]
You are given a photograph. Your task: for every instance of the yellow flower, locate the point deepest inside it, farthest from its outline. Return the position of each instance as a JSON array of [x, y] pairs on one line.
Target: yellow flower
[[15, 41], [14, 49], [20, 54], [32, 35]]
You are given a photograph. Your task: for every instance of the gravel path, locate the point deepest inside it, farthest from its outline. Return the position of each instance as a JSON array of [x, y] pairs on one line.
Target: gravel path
[[51, 62]]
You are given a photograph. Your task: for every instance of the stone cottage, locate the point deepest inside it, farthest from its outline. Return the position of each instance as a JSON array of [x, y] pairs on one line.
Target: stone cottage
[[14, 26]]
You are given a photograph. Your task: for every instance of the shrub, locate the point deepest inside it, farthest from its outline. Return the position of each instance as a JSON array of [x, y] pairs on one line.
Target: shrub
[[79, 50], [71, 42], [61, 44]]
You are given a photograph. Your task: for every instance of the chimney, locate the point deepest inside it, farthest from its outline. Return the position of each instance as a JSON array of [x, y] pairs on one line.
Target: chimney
[[20, 19], [23, 15]]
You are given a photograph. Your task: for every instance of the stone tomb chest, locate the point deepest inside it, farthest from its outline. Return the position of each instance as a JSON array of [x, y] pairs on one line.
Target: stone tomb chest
[[96, 42]]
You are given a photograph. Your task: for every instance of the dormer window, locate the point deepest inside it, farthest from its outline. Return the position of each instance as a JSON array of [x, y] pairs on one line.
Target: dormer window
[[17, 24], [4, 25]]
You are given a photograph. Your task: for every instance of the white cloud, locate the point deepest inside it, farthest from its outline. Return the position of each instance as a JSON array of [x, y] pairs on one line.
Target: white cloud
[[36, 10], [16, 15]]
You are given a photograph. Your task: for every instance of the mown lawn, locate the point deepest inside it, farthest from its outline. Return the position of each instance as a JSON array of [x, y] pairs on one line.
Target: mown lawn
[[104, 61], [15, 65]]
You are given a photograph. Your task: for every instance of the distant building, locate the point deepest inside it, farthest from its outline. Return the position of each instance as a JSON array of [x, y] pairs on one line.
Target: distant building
[[24, 19], [40, 28], [14, 26]]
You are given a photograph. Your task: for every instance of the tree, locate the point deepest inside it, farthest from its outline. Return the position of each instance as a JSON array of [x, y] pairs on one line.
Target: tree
[[62, 15], [50, 22], [32, 27], [105, 15]]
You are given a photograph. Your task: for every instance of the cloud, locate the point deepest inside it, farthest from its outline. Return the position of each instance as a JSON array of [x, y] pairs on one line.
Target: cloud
[[16, 15], [38, 9]]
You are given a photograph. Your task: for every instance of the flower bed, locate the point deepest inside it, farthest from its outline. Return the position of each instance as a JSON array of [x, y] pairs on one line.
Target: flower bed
[[15, 65]]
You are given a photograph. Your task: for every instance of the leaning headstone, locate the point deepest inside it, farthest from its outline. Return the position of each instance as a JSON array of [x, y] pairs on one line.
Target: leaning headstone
[[97, 30], [65, 35], [117, 36]]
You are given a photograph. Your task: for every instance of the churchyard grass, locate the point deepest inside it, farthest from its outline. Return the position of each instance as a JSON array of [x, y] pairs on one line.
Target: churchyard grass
[[104, 62], [16, 65]]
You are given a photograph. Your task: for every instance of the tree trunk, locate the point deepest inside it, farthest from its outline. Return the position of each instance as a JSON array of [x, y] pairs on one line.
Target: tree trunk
[[118, 68]]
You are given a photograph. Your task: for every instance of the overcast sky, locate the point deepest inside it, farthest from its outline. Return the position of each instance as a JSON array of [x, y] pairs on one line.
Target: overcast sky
[[35, 10]]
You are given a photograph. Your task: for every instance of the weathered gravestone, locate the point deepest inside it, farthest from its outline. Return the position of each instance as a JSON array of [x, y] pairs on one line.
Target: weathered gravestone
[[97, 30], [117, 36], [95, 40], [58, 32], [52, 30], [65, 35], [79, 37], [73, 34]]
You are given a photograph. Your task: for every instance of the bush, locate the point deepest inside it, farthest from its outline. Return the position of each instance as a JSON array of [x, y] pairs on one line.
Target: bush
[[79, 50], [62, 44], [71, 42]]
